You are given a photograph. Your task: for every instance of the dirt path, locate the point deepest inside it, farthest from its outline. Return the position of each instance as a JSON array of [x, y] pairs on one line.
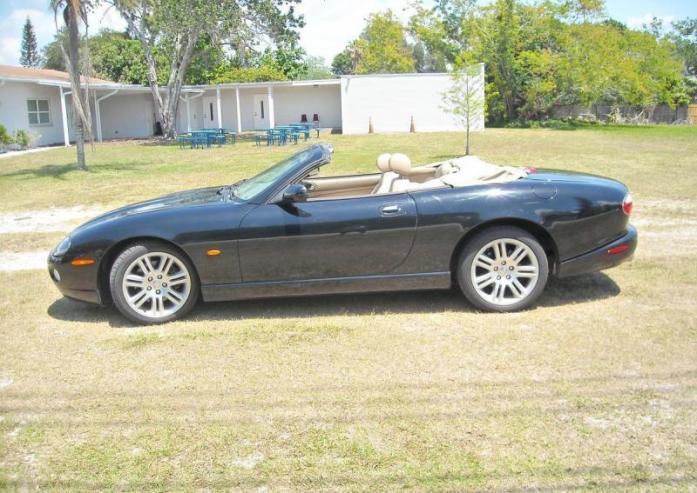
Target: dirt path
[[46, 220], [10, 261]]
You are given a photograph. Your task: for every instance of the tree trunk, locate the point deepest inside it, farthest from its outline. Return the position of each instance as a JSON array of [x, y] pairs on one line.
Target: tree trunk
[[467, 138], [166, 110], [176, 79], [76, 96]]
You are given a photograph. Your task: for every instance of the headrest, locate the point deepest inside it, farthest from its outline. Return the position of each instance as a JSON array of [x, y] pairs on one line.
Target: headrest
[[400, 164], [383, 162]]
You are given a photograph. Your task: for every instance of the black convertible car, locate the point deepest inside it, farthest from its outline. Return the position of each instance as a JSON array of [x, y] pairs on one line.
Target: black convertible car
[[496, 232]]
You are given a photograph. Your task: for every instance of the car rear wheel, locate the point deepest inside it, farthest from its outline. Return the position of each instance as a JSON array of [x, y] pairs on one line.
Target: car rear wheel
[[153, 283], [503, 269]]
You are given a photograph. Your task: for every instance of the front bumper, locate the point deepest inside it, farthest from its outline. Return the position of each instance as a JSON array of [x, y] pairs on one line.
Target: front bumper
[[77, 283], [601, 258]]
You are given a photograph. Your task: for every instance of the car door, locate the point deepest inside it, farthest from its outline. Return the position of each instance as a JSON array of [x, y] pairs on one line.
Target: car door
[[321, 239]]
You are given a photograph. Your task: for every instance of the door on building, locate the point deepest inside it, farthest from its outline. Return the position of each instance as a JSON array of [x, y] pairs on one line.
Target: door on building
[[210, 113], [261, 111]]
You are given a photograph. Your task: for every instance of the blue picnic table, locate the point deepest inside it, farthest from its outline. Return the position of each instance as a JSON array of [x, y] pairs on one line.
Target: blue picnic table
[[206, 137], [281, 134]]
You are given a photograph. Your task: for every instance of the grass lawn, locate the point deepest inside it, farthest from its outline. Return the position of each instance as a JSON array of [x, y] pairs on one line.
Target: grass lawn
[[595, 389]]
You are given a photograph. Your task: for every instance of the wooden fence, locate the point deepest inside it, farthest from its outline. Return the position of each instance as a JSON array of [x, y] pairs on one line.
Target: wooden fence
[[692, 113]]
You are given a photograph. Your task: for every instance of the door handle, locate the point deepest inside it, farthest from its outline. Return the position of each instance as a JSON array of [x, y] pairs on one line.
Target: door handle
[[390, 210]]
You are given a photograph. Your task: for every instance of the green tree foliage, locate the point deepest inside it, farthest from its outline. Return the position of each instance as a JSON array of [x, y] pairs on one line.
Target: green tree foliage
[[289, 59], [207, 57], [444, 29], [117, 57], [177, 27], [344, 62], [381, 48], [263, 73], [684, 36], [539, 54], [30, 52], [51, 54], [316, 69]]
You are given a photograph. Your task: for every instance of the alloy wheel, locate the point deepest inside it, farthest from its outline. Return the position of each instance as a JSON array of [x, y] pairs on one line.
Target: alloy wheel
[[156, 285], [504, 271]]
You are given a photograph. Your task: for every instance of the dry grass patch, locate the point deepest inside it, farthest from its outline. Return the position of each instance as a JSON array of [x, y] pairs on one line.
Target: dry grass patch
[[595, 389]]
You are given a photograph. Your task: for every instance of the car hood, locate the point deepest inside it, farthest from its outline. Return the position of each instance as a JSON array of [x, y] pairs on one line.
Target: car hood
[[187, 198]]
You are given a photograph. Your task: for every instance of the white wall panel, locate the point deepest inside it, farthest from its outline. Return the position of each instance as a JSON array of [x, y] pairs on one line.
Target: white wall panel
[[391, 101], [13, 110], [127, 116]]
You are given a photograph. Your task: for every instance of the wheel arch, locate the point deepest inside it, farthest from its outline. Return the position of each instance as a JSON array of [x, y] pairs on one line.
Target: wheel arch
[[540, 233], [114, 250]]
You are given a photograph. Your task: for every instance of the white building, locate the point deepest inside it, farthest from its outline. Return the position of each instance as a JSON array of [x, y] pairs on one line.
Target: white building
[[38, 100]]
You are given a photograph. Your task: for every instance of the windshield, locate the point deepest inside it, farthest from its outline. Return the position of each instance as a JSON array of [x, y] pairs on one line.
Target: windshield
[[266, 179]]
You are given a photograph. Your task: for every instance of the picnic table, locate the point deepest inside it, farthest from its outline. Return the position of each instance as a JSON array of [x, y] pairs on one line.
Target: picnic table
[[206, 137], [281, 134]]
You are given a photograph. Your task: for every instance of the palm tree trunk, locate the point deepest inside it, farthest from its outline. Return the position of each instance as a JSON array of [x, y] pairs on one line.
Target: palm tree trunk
[[74, 66]]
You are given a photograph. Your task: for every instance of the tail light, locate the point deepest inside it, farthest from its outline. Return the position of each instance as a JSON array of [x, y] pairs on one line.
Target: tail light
[[627, 204], [618, 249]]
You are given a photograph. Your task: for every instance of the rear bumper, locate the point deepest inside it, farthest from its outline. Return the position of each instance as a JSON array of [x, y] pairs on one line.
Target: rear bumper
[[601, 258]]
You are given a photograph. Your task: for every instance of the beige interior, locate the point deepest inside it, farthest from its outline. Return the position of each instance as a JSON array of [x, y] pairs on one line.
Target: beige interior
[[341, 186], [397, 175]]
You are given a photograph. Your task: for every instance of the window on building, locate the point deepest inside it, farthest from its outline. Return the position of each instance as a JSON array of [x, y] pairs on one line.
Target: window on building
[[38, 111]]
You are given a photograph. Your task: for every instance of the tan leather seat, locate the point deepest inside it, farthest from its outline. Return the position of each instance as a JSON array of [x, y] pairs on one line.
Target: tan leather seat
[[399, 176], [464, 171], [388, 177], [398, 173]]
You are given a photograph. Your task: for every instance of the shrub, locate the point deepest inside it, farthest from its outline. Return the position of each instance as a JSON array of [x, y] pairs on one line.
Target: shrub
[[5, 137], [563, 124], [22, 137]]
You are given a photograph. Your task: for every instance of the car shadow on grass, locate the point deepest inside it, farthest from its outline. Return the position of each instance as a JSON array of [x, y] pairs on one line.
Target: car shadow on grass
[[581, 289]]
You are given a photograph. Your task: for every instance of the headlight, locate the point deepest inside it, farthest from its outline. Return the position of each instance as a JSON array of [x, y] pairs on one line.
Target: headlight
[[62, 247]]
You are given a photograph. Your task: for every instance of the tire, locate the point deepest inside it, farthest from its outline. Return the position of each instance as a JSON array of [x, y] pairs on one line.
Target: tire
[[503, 281], [153, 283]]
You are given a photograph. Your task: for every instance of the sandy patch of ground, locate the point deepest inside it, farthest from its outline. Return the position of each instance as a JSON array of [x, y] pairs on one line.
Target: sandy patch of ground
[[10, 261], [47, 220], [249, 462]]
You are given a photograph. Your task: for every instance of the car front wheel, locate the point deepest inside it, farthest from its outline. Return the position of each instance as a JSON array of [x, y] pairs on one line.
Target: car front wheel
[[503, 269], [153, 283]]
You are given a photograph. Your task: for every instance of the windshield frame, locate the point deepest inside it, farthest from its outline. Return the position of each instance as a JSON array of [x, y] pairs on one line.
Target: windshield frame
[[318, 155]]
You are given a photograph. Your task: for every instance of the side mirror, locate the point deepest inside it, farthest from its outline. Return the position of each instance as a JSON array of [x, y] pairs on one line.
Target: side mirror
[[297, 192]]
